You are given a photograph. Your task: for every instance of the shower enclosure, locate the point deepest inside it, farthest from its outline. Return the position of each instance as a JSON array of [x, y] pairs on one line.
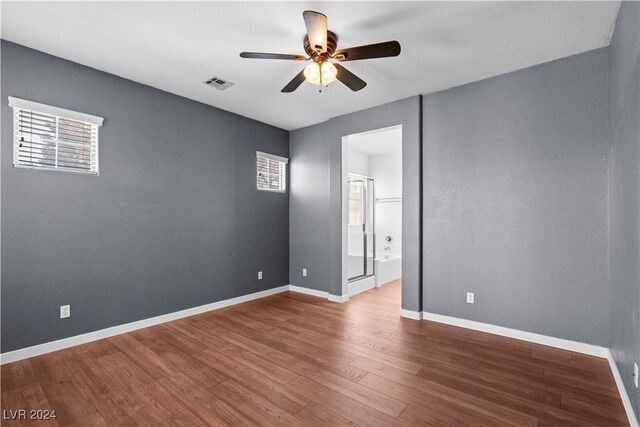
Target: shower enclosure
[[361, 246]]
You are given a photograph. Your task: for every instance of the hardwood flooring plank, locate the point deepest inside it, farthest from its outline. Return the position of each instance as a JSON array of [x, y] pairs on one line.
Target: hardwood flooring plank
[[433, 415], [503, 413], [184, 419], [94, 419], [159, 404], [314, 414], [342, 405], [258, 409], [287, 399], [27, 397], [114, 404], [277, 373], [204, 404], [180, 361], [438, 409], [379, 401], [146, 359], [17, 374]]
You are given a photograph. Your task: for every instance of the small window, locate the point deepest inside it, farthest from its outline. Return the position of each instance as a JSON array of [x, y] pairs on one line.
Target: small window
[[271, 172], [51, 138]]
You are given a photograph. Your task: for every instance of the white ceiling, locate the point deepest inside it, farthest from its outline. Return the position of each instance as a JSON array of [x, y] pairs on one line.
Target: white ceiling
[[380, 141], [175, 46]]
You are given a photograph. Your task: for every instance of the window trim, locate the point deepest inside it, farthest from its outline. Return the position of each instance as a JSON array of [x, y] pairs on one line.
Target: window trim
[[277, 158], [54, 111], [22, 104]]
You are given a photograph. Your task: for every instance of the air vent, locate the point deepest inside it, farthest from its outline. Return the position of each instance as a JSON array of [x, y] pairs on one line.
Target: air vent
[[218, 83]]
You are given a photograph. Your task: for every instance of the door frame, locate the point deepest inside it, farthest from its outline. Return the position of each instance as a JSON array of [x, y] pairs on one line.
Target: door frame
[[344, 172]]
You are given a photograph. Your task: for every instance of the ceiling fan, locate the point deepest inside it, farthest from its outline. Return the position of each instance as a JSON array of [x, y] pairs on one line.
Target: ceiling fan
[[320, 46]]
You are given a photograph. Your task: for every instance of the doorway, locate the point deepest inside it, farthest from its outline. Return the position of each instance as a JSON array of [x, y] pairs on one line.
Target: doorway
[[372, 209]]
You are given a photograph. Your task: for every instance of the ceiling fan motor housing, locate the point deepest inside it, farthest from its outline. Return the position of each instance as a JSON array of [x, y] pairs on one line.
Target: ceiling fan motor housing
[[332, 43]]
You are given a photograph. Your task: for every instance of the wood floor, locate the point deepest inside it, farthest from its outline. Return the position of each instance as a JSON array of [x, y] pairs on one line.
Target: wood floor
[[292, 359]]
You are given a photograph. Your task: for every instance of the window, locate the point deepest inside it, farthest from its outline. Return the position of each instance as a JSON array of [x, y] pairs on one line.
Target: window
[[271, 172], [52, 138]]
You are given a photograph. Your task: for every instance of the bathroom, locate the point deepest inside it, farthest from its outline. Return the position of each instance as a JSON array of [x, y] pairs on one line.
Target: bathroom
[[373, 208]]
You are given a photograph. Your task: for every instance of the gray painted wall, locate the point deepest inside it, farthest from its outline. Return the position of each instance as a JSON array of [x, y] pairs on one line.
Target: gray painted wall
[[624, 196], [309, 208], [515, 199], [316, 191], [173, 221]]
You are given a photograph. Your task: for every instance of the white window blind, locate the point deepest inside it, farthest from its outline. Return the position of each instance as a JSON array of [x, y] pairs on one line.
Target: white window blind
[[271, 172], [48, 137]]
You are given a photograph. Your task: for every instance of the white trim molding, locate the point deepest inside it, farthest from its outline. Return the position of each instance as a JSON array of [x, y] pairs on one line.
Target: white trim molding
[[272, 156], [36, 350], [320, 294], [307, 291], [626, 400], [363, 285], [578, 347], [408, 314], [55, 111], [338, 298]]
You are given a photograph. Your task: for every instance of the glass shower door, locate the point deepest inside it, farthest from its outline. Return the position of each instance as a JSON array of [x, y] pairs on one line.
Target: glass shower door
[[360, 240]]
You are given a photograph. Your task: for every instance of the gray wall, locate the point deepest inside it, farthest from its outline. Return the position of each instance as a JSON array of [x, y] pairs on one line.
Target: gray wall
[[624, 196], [316, 191], [173, 221], [515, 199]]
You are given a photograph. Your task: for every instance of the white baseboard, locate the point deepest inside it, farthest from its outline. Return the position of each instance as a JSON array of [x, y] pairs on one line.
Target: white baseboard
[[578, 347], [321, 294], [307, 291], [360, 286], [626, 401], [408, 314], [338, 298], [36, 350]]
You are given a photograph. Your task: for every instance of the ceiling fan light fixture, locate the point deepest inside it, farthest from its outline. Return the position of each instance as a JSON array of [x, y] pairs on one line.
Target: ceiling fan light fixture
[[329, 72], [312, 73], [320, 74], [320, 46]]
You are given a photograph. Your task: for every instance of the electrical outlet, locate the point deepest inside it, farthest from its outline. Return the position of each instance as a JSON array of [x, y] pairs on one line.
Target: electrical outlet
[[65, 311], [259, 275], [470, 298], [304, 272], [635, 374]]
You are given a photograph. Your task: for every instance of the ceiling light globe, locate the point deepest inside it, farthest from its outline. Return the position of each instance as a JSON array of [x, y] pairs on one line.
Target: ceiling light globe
[[312, 73], [329, 73]]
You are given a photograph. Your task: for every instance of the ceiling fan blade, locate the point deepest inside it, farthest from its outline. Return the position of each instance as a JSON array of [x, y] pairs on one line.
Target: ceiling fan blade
[[349, 79], [316, 24], [293, 84], [262, 55], [376, 50]]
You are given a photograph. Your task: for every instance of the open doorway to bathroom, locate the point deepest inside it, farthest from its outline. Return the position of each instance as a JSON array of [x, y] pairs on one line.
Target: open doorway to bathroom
[[372, 210]]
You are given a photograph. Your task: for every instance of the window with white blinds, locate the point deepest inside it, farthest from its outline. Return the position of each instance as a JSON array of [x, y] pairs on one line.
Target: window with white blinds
[[271, 172], [52, 138]]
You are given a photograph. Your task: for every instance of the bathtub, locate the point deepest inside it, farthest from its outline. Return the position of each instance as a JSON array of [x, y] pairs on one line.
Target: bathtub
[[388, 268]]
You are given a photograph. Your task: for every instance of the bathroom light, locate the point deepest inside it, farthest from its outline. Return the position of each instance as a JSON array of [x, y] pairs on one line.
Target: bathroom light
[[318, 75]]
